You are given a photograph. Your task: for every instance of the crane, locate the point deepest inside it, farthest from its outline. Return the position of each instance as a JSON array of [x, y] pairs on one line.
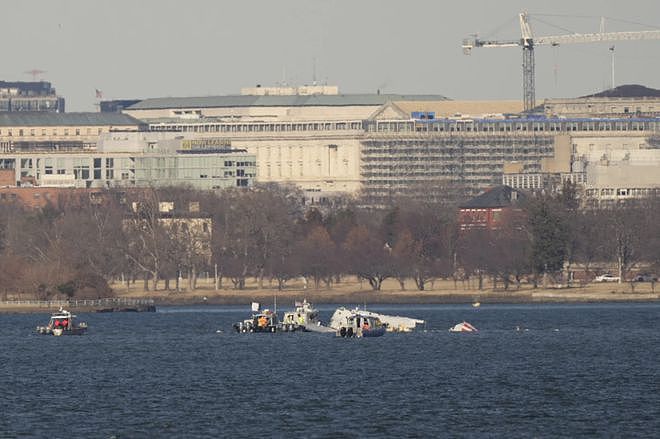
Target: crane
[[527, 41]]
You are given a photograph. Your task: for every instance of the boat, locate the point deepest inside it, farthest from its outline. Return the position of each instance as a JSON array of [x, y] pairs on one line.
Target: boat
[[62, 323], [360, 325], [476, 304], [391, 323], [304, 317], [463, 327], [261, 321]]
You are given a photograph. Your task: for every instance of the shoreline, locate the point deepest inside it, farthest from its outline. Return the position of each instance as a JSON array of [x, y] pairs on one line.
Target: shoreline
[[286, 298]]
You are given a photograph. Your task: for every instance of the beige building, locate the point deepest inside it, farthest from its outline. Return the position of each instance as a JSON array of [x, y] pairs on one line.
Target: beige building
[[314, 140], [383, 145], [42, 131], [622, 174]]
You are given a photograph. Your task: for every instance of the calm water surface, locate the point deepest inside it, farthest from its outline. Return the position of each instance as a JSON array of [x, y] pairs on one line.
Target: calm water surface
[[579, 370]]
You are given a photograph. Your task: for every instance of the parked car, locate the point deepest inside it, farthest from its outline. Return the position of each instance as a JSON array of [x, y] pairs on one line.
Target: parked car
[[645, 277], [607, 278]]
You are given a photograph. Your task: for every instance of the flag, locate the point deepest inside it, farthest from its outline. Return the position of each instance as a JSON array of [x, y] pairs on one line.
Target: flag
[[255, 306], [99, 94]]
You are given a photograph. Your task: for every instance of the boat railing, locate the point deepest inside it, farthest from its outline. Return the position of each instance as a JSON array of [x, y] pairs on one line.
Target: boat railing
[[74, 303]]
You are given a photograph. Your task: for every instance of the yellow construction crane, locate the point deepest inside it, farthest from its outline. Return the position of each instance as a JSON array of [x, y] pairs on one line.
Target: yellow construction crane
[[528, 41]]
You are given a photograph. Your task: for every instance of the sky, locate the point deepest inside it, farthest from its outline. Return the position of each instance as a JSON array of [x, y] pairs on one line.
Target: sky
[[132, 49]]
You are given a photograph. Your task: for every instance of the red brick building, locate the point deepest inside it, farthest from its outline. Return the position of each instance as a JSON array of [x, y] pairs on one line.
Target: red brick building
[[490, 209]]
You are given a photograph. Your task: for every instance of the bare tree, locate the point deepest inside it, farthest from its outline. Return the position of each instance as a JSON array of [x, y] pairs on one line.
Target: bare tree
[[369, 255], [626, 224], [318, 255], [147, 237]]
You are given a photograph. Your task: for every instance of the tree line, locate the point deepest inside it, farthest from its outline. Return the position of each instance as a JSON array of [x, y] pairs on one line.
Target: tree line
[[77, 246]]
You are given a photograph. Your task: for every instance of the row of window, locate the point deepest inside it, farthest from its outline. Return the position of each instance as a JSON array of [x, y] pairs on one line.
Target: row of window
[[514, 126], [622, 192], [256, 127], [22, 132], [597, 108]]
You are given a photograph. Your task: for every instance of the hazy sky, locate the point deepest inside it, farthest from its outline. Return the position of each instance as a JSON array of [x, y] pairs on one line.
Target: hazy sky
[[145, 48]]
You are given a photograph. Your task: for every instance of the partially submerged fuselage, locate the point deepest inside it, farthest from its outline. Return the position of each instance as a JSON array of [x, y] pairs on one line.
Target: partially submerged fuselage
[[390, 323]]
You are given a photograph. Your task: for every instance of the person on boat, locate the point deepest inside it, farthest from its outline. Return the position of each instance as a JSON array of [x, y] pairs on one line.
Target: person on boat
[[301, 319], [263, 321], [365, 324]]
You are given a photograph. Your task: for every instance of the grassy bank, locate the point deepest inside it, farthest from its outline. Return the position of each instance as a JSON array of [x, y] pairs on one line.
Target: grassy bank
[[352, 292]]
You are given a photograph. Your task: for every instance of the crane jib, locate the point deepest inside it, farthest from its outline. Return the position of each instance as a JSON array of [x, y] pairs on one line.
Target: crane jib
[[528, 41]]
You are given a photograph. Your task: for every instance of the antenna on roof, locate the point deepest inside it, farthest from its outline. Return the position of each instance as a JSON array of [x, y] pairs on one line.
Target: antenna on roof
[[284, 76], [34, 73], [314, 71]]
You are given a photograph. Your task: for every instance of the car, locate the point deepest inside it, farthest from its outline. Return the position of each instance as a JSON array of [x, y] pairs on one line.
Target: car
[[645, 277], [607, 278]]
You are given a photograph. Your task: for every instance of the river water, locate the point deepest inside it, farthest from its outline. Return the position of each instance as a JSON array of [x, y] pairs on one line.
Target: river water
[[572, 371]]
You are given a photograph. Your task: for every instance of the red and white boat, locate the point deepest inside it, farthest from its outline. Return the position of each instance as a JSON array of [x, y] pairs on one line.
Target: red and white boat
[[463, 327], [62, 323]]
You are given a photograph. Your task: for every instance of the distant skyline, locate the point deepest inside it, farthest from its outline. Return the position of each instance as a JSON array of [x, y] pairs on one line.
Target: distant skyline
[[148, 48]]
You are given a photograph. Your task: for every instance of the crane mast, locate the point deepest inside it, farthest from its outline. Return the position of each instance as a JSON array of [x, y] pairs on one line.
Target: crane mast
[[527, 42]]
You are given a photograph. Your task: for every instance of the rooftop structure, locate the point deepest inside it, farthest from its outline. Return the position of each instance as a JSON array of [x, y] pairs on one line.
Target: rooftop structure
[[29, 96], [303, 90], [626, 91], [622, 101], [116, 105], [498, 196], [266, 108], [32, 119]]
